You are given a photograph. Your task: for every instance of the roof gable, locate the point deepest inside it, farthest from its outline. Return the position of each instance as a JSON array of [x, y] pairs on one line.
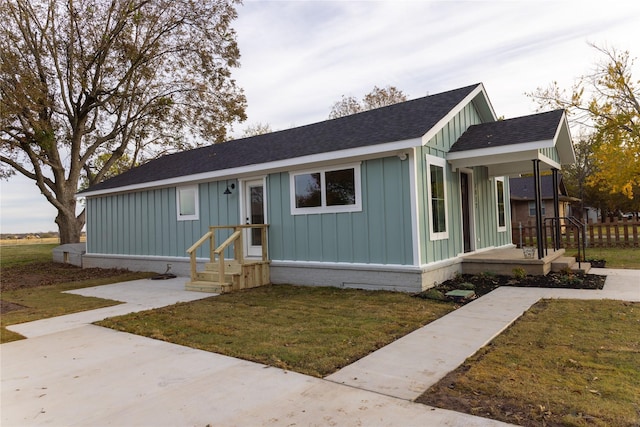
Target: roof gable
[[507, 147], [403, 121]]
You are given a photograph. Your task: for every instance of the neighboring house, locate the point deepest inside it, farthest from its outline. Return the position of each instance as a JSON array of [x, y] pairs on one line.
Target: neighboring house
[[523, 206], [390, 198]]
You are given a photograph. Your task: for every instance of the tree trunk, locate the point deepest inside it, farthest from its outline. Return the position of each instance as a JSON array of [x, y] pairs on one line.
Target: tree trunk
[[69, 226]]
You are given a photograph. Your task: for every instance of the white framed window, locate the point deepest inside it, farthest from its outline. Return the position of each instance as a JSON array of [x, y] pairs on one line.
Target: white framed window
[[437, 195], [187, 203], [336, 189], [532, 208], [500, 204]]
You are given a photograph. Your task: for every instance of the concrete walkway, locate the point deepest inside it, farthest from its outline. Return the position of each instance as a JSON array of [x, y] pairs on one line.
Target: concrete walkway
[[75, 374], [137, 295], [409, 366]]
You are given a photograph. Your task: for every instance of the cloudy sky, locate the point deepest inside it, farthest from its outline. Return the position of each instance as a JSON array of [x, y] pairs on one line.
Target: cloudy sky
[[300, 57]]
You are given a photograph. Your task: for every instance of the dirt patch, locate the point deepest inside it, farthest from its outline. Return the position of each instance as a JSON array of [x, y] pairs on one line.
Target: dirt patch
[[444, 395], [6, 307], [51, 273], [44, 274]]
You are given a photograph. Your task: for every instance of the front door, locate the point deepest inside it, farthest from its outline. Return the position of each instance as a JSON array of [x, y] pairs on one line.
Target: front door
[[254, 213]]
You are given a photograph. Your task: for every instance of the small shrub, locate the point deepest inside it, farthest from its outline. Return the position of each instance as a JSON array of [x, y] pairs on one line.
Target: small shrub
[[466, 286], [519, 273], [487, 274]]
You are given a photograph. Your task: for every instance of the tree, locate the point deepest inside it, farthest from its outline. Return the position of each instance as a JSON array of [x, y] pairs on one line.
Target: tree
[[90, 87], [608, 103], [375, 99], [256, 129]]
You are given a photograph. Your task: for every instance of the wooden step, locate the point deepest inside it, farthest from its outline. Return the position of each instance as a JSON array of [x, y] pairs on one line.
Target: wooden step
[[230, 266], [208, 286], [212, 276]]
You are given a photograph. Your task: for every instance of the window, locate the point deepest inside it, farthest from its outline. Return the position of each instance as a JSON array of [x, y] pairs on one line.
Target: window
[[502, 221], [532, 209], [324, 191], [187, 201], [437, 188]]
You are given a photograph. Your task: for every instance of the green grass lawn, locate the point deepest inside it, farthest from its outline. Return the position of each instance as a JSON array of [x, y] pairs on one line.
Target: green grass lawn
[[49, 301], [12, 255], [615, 257], [312, 330], [565, 362], [32, 262]]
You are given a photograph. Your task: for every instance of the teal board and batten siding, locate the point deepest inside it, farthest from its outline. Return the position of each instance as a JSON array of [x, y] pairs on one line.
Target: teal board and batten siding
[[379, 234], [145, 222], [550, 152], [486, 211], [486, 230]]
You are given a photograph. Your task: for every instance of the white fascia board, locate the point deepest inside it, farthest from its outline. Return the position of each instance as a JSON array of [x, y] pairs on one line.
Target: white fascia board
[[552, 163], [495, 159], [446, 119], [264, 168], [564, 142], [500, 150]]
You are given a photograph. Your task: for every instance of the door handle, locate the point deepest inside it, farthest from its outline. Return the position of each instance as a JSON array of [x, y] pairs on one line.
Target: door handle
[[247, 221]]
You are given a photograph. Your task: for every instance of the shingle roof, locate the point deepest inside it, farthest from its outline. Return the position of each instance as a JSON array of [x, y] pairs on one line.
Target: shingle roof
[[522, 188], [398, 122], [536, 127]]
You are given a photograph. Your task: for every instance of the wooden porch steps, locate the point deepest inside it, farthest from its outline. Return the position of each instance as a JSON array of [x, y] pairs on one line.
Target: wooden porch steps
[[208, 286], [225, 275], [236, 276]]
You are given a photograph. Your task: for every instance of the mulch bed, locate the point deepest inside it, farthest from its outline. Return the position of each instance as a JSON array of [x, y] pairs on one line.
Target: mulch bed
[[482, 284]]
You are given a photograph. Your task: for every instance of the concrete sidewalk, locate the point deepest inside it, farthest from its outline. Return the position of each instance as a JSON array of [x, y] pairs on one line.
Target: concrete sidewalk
[[86, 375], [137, 295], [409, 366]]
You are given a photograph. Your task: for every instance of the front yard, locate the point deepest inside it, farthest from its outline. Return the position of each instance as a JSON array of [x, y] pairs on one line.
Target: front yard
[[311, 330], [563, 363]]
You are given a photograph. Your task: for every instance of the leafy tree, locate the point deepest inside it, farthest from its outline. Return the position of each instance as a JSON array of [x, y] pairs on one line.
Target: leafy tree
[[608, 103], [375, 99], [256, 129], [90, 87]]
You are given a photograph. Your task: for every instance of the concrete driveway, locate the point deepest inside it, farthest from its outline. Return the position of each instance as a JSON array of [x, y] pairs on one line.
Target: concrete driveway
[[71, 373]]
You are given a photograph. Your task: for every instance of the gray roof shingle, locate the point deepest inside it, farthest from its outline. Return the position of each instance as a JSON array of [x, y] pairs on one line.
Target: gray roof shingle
[[536, 127], [406, 120]]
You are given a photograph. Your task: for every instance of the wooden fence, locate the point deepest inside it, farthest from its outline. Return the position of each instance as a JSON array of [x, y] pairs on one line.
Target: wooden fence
[[610, 234]]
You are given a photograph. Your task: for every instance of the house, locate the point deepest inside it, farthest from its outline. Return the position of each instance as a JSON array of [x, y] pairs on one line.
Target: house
[[391, 198], [523, 205]]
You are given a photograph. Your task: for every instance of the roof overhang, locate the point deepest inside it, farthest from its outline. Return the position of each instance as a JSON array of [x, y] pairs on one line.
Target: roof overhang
[[360, 153], [516, 159]]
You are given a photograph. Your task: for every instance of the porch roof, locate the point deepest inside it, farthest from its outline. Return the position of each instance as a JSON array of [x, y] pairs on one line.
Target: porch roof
[[507, 147]]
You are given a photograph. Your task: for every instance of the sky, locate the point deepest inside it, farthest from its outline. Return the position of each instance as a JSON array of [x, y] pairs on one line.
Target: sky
[[300, 57]]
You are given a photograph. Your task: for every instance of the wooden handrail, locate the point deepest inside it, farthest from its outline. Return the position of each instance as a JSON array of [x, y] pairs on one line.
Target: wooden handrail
[[227, 242], [200, 241], [192, 253], [220, 252], [235, 238]]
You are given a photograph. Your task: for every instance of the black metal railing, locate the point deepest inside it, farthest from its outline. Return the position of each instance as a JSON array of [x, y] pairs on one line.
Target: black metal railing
[[556, 234]]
